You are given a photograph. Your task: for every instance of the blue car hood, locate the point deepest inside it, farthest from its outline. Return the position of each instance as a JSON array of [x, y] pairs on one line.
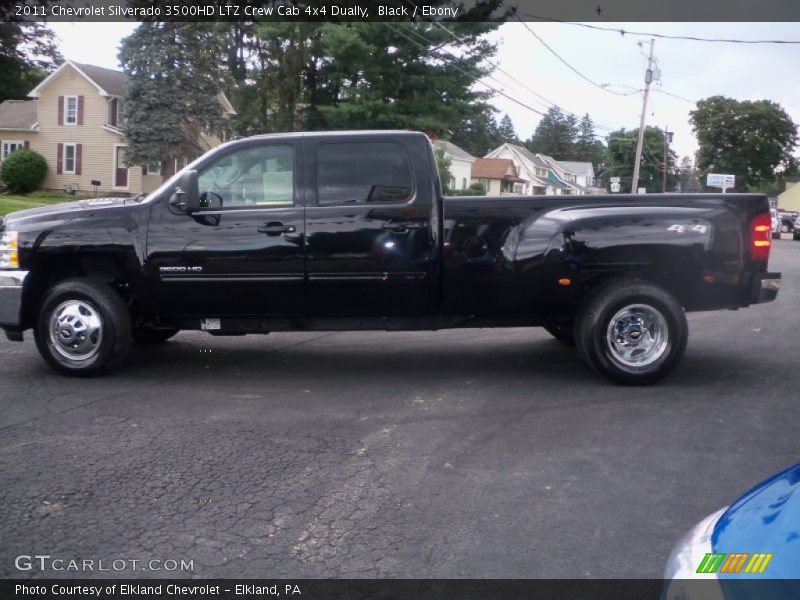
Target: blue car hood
[[765, 520]]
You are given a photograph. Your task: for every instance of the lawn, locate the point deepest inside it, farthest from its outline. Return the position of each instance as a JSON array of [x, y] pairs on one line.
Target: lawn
[[12, 202]]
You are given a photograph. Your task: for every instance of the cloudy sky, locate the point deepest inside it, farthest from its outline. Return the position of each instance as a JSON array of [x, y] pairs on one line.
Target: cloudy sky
[[692, 70]]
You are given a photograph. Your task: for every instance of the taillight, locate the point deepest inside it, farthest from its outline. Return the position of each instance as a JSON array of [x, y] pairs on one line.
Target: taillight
[[760, 237]]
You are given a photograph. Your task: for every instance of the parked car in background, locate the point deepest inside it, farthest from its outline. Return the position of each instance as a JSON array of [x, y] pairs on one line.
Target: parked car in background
[[788, 220], [776, 223], [756, 538], [796, 234]]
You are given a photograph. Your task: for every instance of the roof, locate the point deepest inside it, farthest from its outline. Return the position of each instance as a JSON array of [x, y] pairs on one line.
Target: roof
[[585, 169], [529, 155], [494, 168], [18, 114], [113, 82], [109, 82], [453, 150]]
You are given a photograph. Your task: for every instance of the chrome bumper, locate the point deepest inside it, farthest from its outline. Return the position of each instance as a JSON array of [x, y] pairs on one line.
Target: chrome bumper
[[11, 283]]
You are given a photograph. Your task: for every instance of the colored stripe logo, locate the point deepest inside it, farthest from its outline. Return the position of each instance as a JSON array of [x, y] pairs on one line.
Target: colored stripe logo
[[733, 563]]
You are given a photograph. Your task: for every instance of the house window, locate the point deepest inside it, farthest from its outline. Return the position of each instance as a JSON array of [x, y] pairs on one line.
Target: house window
[[70, 110], [154, 168], [180, 163], [10, 146], [69, 158]]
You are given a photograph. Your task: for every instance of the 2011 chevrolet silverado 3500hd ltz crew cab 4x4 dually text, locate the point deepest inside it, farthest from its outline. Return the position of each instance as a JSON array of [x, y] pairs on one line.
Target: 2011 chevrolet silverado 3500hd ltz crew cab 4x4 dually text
[[350, 230]]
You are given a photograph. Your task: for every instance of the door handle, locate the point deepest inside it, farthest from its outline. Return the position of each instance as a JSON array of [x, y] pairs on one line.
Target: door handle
[[402, 226], [276, 228]]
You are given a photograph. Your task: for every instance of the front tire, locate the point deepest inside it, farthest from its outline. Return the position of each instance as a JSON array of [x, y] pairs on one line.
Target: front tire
[[83, 328], [632, 332]]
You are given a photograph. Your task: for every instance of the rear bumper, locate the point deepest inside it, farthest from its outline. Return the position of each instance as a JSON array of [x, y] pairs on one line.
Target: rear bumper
[[11, 284], [765, 287]]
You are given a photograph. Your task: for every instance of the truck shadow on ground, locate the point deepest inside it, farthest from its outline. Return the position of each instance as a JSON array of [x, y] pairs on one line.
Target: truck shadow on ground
[[533, 360]]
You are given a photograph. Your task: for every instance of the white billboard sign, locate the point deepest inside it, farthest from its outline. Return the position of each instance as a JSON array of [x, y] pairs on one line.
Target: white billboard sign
[[720, 180]]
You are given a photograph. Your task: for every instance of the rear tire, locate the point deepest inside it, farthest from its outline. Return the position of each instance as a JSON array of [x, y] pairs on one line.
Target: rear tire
[[83, 328], [563, 333], [153, 336], [632, 332]]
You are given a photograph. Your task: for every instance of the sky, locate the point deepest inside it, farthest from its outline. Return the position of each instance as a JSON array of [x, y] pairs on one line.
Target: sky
[[692, 70]]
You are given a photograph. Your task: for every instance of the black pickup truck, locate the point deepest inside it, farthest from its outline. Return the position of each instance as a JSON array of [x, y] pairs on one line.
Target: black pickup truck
[[343, 231]]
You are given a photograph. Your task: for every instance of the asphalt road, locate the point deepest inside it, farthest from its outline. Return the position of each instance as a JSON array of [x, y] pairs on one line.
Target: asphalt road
[[469, 453]]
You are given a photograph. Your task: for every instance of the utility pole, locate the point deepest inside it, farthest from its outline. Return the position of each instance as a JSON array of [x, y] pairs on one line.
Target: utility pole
[[666, 157], [648, 78]]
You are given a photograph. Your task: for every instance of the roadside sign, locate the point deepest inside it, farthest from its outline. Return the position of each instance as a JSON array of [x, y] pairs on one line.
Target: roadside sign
[[614, 186], [614, 179], [642, 191], [720, 180]]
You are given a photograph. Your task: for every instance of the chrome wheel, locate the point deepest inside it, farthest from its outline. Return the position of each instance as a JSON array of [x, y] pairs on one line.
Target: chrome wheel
[[637, 335], [76, 330]]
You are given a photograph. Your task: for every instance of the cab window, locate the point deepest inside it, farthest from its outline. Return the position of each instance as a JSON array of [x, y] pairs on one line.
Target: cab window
[[363, 173], [251, 177]]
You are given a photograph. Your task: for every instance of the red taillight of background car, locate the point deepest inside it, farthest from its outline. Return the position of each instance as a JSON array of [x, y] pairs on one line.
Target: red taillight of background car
[[761, 237]]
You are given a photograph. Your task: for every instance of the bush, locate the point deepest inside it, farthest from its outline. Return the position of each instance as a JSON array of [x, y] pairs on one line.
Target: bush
[[476, 189], [23, 171]]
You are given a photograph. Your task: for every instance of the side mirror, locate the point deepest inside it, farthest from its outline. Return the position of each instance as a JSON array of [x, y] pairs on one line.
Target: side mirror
[[186, 196]]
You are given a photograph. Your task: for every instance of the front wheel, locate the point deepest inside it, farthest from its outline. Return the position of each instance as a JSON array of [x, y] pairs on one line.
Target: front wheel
[[632, 332], [83, 328]]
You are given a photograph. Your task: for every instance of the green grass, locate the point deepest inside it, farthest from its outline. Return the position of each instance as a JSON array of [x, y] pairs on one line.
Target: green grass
[[13, 202]]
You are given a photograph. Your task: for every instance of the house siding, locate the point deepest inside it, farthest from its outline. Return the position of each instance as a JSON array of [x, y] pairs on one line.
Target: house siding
[[97, 143]]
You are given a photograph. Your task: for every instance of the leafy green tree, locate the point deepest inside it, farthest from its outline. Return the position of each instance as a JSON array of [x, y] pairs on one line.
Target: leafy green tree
[[478, 134], [687, 176], [176, 75], [28, 52], [555, 135], [443, 165], [587, 147], [622, 153], [506, 130], [23, 171], [753, 140]]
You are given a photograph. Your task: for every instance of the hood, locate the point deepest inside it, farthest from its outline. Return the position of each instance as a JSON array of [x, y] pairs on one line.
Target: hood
[[65, 209], [766, 520]]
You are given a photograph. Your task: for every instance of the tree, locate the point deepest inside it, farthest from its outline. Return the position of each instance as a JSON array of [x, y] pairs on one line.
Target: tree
[[443, 166], [173, 93], [753, 140], [478, 134], [687, 176], [506, 130], [622, 153], [28, 52], [587, 147], [555, 135]]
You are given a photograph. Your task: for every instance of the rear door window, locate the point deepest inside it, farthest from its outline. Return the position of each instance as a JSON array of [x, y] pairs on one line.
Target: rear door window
[[363, 173]]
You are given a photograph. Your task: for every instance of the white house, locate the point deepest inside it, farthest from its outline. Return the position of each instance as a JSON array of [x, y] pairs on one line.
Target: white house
[[547, 175], [460, 164], [498, 176]]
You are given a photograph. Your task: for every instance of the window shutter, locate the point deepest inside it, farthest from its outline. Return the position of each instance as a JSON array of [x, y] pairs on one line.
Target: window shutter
[[27, 144], [144, 169], [112, 120], [60, 160], [61, 110], [78, 148], [80, 110]]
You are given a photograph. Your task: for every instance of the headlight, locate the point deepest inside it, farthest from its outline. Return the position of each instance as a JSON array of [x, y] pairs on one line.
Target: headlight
[[9, 250]]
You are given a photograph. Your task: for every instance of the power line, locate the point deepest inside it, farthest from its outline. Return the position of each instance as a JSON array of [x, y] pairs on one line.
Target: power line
[[461, 40], [690, 38], [660, 91], [494, 89], [573, 69]]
